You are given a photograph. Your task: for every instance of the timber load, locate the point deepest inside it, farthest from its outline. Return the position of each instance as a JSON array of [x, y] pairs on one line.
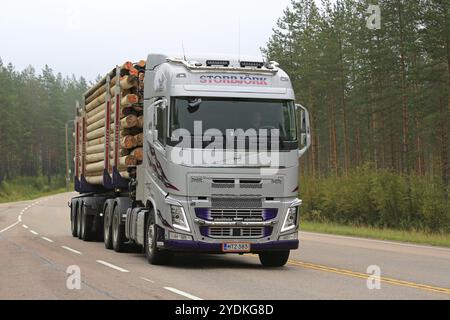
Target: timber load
[[109, 127]]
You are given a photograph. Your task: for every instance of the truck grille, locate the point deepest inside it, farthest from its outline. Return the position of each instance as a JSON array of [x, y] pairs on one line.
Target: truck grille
[[232, 214], [239, 203], [236, 233]]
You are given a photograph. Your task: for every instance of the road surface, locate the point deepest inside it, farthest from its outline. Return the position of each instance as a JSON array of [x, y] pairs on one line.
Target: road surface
[[36, 249]]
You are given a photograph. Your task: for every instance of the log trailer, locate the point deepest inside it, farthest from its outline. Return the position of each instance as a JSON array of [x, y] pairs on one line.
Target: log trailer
[[144, 139]]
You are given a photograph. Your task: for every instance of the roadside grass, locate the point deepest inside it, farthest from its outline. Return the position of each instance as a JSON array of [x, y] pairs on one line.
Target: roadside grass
[[29, 188], [29, 196], [417, 237]]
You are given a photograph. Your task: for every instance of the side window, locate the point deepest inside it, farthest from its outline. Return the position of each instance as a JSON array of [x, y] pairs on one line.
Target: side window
[[161, 124]]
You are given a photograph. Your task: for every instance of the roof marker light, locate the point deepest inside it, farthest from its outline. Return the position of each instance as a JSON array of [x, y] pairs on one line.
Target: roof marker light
[[254, 64], [223, 63], [182, 75]]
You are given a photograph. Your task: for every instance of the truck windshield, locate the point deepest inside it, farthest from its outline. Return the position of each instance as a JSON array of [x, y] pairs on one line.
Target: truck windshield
[[235, 114]]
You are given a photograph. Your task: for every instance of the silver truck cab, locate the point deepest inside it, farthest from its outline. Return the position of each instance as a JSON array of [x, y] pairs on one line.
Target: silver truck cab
[[223, 138]]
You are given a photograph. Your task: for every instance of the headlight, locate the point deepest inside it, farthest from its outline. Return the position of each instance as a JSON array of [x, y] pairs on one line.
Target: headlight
[[179, 220], [290, 222]]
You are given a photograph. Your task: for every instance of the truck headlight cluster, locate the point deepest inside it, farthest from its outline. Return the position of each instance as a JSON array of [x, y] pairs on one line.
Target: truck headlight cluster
[[290, 222], [179, 219]]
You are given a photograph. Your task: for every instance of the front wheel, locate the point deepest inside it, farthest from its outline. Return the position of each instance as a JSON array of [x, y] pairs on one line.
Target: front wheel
[[275, 259], [154, 256]]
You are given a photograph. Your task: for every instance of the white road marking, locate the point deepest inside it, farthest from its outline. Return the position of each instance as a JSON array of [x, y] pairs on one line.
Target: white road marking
[[10, 227], [34, 232], [148, 280], [107, 264], [19, 220], [25, 226], [376, 241], [47, 239], [184, 294], [71, 250]]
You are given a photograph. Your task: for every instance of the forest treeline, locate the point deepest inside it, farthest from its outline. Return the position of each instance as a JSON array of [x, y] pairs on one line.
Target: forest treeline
[[379, 101], [34, 108]]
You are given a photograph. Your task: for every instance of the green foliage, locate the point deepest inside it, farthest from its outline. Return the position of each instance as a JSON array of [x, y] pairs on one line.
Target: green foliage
[[377, 198], [435, 239], [24, 188], [378, 96], [375, 96], [33, 111]]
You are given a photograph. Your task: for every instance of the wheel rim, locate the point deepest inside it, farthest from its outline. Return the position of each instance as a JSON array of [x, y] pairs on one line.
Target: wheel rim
[[150, 235]]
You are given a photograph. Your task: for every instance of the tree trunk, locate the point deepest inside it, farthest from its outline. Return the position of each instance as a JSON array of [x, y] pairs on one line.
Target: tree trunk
[[405, 142], [333, 139], [444, 147]]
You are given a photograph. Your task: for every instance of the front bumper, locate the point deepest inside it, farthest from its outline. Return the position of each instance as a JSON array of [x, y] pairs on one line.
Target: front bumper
[[205, 247]]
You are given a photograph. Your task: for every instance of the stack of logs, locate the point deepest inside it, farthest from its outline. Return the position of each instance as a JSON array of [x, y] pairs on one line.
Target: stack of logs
[[131, 123]]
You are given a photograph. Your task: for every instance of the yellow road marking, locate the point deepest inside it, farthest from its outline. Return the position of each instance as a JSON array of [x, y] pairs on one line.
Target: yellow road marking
[[366, 276]]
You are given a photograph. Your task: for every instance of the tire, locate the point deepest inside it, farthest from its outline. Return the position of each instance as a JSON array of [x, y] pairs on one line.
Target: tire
[[107, 218], [154, 256], [118, 231], [73, 218], [86, 225], [275, 259], [78, 213]]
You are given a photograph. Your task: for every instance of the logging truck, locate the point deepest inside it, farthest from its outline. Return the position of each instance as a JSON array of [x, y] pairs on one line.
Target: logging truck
[[176, 155]]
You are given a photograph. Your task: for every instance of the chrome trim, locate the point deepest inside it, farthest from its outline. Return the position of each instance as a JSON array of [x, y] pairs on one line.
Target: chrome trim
[[296, 203], [235, 223]]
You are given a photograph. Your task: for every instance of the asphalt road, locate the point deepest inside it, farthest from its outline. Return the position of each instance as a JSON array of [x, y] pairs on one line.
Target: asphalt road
[[36, 249]]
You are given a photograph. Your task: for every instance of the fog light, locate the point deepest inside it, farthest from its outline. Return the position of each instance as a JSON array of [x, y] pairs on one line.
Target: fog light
[[289, 237], [179, 237]]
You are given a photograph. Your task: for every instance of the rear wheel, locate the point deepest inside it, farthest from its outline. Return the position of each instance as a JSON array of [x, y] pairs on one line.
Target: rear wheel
[[154, 256], [73, 218], [86, 225], [275, 259], [118, 230], [107, 229]]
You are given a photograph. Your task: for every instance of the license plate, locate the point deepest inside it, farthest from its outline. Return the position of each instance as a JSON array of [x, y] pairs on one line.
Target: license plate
[[236, 247]]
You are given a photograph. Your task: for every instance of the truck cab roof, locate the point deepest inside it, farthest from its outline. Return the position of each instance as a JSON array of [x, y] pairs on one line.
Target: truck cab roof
[[216, 75]]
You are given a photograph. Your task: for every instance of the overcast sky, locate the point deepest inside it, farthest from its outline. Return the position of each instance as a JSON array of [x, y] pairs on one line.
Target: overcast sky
[[89, 37]]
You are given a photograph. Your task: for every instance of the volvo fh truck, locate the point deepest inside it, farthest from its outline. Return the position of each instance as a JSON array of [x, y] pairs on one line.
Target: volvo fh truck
[[221, 139]]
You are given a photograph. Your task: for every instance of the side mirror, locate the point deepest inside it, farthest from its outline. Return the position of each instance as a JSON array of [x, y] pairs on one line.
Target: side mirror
[[305, 130]]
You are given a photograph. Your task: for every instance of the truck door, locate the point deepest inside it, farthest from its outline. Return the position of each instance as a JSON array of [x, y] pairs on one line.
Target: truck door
[[157, 141]]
